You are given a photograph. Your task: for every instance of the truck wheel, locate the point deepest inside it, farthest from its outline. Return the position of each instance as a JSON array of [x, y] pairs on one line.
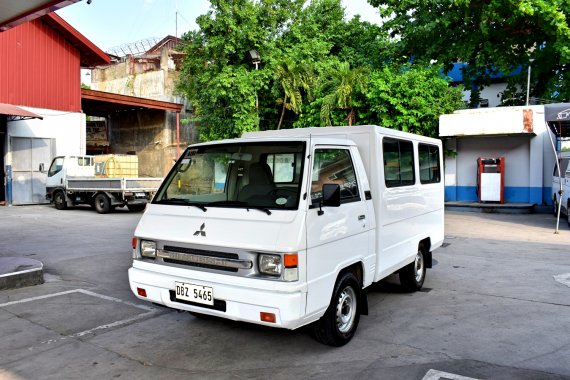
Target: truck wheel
[[59, 200], [412, 276], [338, 325], [136, 208], [568, 213], [102, 204], [555, 206]]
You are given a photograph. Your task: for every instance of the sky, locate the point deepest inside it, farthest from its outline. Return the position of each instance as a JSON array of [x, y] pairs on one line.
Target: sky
[[111, 23]]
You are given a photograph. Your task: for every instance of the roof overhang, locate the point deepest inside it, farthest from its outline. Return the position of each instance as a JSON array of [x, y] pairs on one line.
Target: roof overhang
[[16, 113], [558, 118], [99, 103], [13, 13], [91, 55], [512, 121]]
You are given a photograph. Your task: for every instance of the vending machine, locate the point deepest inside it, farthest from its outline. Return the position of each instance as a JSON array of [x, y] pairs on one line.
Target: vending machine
[[491, 179]]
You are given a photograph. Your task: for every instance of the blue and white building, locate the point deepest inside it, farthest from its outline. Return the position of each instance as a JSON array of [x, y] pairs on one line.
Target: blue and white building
[[520, 134]]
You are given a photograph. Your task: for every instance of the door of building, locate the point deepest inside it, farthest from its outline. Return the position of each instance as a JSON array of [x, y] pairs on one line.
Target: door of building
[[30, 161]]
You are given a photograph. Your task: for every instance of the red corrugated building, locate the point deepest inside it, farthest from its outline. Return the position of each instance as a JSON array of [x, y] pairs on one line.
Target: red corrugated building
[[40, 64]]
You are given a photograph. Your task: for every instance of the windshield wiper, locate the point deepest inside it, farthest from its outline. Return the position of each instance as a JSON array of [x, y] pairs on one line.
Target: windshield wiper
[[239, 203], [178, 201], [260, 208]]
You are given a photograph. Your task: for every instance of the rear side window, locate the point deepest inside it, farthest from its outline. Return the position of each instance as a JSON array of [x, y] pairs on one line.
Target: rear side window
[[398, 162], [430, 171]]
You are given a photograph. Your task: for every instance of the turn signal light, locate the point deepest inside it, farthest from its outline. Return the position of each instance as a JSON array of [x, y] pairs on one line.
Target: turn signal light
[[141, 292], [290, 260], [134, 242], [267, 317]]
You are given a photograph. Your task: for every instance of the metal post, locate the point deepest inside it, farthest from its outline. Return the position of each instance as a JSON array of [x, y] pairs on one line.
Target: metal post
[[528, 82], [556, 231], [177, 135]]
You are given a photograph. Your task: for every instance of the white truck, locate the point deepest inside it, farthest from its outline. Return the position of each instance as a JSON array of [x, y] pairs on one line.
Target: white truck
[[561, 185], [71, 180], [288, 228]]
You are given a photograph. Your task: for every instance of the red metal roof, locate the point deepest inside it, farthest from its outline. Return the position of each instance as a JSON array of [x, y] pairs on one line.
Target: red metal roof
[[90, 54], [99, 103], [11, 110]]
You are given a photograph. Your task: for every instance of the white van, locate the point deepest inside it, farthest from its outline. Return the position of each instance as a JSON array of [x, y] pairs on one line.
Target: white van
[[559, 183], [287, 228]]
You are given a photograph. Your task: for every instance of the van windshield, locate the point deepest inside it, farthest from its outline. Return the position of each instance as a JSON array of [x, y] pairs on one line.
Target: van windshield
[[245, 175]]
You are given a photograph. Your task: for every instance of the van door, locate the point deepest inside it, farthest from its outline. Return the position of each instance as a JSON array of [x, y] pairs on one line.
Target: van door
[[339, 236]]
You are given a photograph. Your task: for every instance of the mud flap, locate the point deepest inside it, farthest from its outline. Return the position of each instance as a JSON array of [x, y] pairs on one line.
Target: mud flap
[[363, 302]]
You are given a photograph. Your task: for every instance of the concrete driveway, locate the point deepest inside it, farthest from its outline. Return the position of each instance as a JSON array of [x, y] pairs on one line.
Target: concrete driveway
[[495, 306]]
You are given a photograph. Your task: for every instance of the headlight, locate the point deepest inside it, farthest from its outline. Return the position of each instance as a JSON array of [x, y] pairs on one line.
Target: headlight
[[270, 264], [148, 248]]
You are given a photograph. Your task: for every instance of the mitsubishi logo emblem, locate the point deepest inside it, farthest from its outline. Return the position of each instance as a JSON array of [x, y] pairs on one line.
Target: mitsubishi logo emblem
[[201, 231]]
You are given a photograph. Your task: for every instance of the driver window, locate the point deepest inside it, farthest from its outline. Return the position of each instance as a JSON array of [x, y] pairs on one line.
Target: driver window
[[334, 166], [55, 167]]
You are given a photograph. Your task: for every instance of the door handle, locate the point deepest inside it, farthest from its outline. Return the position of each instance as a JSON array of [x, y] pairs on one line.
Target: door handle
[[361, 217]]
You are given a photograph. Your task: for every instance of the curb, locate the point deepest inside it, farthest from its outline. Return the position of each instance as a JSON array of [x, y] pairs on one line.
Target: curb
[[18, 272]]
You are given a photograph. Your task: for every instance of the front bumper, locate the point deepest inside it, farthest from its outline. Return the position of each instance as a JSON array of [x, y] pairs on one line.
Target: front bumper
[[241, 301]]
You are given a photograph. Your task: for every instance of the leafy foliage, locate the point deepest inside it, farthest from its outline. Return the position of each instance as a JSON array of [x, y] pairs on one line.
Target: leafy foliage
[[316, 68], [490, 36]]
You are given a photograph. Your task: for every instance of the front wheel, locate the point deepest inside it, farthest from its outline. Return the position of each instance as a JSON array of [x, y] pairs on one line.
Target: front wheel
[[338, 325], [555, 206], [412, 276], [59, 200], [102, 204]]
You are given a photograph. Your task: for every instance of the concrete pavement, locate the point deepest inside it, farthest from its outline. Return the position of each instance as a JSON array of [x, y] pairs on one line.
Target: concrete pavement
[[495, 306]]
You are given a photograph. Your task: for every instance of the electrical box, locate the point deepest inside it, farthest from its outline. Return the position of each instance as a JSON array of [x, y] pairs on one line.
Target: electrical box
[[491, 179]]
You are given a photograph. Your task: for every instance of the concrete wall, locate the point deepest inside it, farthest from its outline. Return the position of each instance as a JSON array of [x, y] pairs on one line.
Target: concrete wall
[[149, 133], [67, 128], [528, 156], [143, 132], [492, 93]]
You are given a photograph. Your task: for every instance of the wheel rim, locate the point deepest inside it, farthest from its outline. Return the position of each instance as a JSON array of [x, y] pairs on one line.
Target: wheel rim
[[58, 200], [419, 267], [346, 310]]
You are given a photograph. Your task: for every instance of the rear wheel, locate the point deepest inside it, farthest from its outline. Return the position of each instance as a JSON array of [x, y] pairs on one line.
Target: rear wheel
[[555, 206], [59, 200], [338, 325], [102, 204], [412, 276]]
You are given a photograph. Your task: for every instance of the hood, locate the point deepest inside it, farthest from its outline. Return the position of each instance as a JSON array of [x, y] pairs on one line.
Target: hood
[[282, 231]]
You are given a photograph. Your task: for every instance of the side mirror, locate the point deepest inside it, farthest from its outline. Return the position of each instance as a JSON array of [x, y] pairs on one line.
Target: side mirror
[[331, 195]]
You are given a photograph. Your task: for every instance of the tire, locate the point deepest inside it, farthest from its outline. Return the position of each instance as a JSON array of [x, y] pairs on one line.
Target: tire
[[59, 200], [555, 206], [137, 207], [338, 325], [102, 204], [413, 275], [568, 213]]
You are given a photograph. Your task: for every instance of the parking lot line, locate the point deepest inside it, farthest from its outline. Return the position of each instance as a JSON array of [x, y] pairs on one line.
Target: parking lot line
[[150, 311]]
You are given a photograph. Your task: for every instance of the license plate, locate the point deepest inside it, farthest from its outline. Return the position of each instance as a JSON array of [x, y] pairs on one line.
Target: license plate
[[195, 293], [141, 195]]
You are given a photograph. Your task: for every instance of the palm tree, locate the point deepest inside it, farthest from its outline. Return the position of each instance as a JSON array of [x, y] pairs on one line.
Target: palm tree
[[345, 85], [293, 78]]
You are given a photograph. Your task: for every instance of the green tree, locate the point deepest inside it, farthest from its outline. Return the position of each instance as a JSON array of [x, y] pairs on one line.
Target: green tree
[[293, 78], [346, 88], [411, 98], [490, 36]]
